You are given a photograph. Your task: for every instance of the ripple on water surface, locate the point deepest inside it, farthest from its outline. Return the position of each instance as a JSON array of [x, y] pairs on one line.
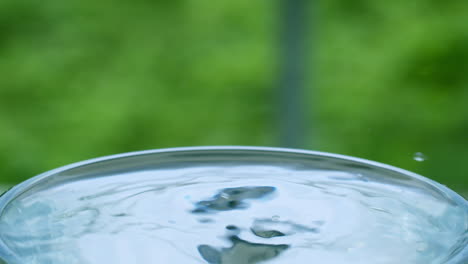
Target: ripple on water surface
[[238, 215]]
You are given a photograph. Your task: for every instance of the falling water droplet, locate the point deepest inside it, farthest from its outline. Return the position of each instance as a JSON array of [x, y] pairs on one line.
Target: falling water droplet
[[418, 156]]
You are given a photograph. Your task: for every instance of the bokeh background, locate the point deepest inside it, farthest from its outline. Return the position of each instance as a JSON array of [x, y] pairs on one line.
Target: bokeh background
[[381, 80]]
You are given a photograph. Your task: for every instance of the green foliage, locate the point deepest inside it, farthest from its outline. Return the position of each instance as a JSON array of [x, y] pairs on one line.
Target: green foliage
[[81, 79], [392, 80]]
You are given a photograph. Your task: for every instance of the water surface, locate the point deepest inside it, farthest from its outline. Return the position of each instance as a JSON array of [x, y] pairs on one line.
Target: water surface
[[232, 214]]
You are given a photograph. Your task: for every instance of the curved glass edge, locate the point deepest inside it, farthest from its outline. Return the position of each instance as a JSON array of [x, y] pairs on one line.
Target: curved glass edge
[[24, 186], [17, 190]]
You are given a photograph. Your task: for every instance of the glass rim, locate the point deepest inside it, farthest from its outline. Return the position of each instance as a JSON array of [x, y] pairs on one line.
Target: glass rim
[[24, 186]]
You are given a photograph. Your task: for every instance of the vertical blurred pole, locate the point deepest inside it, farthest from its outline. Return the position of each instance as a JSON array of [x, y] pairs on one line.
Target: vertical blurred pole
[[291, 94]]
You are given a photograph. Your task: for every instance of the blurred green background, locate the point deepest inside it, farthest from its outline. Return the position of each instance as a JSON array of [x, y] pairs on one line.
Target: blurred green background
[[81, 79]]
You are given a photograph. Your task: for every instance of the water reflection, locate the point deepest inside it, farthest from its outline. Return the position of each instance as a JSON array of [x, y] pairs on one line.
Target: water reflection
[[241, 252], [222, 218], [232, 198]]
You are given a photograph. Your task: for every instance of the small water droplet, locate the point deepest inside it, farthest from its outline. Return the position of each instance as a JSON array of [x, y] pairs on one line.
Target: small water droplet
[[418, 156], [275, 218]]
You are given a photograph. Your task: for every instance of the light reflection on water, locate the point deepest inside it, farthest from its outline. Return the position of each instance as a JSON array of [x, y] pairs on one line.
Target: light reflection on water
[[242, 215]]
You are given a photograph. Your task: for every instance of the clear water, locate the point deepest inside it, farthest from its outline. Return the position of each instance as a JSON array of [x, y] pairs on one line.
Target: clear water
[[232, 215]]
